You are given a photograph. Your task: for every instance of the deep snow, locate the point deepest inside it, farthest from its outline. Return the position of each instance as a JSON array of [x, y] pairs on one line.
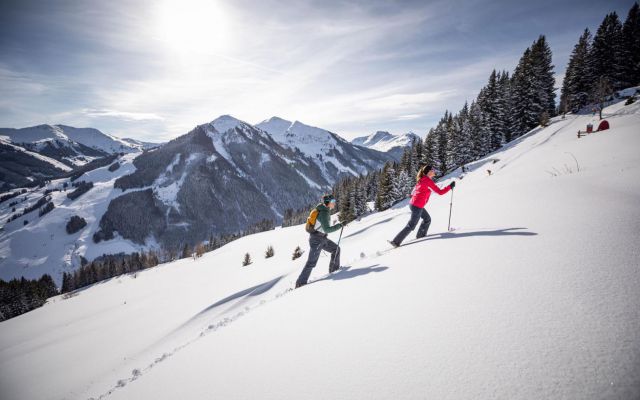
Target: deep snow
[[535, 295]]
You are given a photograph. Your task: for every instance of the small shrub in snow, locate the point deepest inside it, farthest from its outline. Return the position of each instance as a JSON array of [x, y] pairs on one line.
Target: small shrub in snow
[[269, 253], [297, 253], [629, 101], [247, 260], [75, 224], [25, 222], [114, 166]]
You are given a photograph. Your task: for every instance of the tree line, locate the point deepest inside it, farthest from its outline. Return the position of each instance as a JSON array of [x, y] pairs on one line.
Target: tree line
[[602, 64]]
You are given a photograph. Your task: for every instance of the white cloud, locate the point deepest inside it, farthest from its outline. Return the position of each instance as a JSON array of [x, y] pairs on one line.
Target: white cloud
[[124, 115]]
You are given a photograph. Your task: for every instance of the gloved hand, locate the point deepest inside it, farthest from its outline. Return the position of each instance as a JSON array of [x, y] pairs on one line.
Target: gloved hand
[[452, 185]]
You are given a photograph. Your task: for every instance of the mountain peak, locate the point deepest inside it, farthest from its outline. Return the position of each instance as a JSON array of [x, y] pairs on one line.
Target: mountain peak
[[225, 122]]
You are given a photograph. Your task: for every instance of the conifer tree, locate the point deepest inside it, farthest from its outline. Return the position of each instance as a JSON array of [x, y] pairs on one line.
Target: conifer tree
[[631, 47], [269, 252], [297, 253], [429, 148], [544, 80], [578, 78], [247, 260], [606, 51]]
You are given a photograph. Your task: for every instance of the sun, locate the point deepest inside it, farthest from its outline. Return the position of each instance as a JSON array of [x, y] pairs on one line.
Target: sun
[[192, 26]]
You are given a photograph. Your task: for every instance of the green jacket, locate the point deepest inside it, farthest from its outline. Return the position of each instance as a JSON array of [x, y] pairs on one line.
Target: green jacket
[[323, 222]]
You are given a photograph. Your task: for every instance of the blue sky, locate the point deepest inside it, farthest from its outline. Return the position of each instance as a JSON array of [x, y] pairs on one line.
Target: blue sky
[[153, 70]]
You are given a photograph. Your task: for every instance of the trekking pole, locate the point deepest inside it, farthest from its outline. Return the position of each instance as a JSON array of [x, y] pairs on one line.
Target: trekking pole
[[340, 238], [450, 207]]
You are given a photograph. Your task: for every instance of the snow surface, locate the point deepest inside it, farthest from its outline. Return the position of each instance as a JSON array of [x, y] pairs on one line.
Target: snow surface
[[534, 295]]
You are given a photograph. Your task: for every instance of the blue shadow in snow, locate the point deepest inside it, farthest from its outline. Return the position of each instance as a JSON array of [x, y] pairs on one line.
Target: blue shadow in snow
[[252, 291], [453, 235], [348, 273], [384, 221]]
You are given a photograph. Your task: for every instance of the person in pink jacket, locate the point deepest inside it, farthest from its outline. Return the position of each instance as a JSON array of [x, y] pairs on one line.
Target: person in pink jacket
[[419, 198]]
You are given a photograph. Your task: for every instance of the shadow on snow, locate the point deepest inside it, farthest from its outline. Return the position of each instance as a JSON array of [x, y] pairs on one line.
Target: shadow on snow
[[453, 235]]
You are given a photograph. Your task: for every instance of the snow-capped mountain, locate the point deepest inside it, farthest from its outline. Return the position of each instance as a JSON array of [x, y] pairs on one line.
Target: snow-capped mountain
[[69, 145], [386, 142], [518, 302], [331, 153]]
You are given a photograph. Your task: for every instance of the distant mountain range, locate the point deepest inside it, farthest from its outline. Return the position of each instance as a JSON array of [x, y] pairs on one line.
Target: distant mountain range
[[46, 151], [386, 142]]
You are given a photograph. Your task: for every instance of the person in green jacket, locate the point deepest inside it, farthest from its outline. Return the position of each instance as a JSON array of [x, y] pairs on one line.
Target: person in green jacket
[[319, 241]]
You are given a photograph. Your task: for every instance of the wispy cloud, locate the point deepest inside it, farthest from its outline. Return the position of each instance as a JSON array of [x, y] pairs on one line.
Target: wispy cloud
[[124, 115]]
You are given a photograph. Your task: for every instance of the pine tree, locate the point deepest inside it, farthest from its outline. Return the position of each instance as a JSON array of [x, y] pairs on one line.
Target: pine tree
[[405, 184], [429, 149], [606, 52], [578, 78], [504, 106], [464, 144], [247, 260], [297, 253], [479, 131], [395, 192], [384, 188], [544, 78], [630, 57], [442, 142], [269, 253]]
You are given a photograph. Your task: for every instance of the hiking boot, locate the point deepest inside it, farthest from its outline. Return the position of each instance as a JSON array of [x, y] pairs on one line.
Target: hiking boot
[[300, 284], [333, 268], [394, 244]]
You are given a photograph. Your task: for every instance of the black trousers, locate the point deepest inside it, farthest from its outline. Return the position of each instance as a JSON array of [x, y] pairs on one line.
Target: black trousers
[[317, 243], [416, 214]]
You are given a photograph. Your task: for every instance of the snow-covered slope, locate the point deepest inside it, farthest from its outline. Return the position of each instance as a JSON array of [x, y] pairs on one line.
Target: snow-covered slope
[[43, 246], [534, 295]]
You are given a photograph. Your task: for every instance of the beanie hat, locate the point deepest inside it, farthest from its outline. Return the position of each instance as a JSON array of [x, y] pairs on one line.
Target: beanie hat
[[326, 199]]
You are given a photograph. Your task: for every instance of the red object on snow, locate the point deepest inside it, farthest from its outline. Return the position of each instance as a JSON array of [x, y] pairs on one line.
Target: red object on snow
[[589, 128], [604, 125], [422, 191]]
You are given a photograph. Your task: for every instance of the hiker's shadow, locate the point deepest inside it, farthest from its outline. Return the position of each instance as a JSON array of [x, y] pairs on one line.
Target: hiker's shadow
[[348, 273], [495, 232], [384, 221]]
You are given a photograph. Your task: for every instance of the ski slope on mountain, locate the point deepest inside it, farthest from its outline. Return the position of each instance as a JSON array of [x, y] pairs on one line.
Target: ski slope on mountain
[[42, 246], [534, 295]]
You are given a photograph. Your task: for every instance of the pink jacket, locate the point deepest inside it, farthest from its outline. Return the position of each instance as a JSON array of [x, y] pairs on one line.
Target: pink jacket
[[422, 191]]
